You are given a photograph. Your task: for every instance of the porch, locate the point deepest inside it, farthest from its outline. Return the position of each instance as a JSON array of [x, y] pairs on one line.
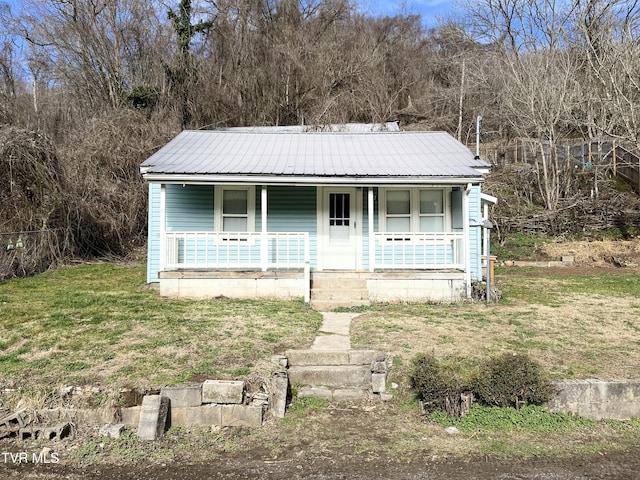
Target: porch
[[401, 267], [326, 290]]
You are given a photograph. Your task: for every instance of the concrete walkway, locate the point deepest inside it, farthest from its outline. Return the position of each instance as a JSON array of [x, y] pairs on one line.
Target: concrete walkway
[[334, 332]]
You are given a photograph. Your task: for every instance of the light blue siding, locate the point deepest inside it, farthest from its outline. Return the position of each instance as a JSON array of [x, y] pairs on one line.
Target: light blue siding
[[290, 209], [475, 233], [189, 208], [153, 241], [293, 209]]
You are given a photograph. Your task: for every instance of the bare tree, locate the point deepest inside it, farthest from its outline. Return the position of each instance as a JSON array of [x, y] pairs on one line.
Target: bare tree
[[609, 39], [90, 45], [538, 80]]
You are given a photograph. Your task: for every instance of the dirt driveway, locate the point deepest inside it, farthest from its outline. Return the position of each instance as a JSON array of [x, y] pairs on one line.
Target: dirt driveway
[[248, 465]]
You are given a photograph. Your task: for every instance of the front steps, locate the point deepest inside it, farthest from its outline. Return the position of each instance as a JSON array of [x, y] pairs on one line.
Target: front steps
[[337, 374], [329, 291]]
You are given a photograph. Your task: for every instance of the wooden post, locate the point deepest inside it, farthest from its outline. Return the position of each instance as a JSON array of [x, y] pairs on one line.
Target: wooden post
[[614, 159]]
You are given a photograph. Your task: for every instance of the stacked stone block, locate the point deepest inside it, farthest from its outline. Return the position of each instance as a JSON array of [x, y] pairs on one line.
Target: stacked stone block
[[219, 403]]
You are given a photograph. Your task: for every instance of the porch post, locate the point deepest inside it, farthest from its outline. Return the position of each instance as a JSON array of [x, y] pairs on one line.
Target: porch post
[[467, 240], [372, 240], [163, 227], [264, 250]]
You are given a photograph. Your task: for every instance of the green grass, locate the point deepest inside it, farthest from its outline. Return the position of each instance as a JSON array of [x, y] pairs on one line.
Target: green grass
[[98, 324], [517, 246], [577, 326], [529, 418]]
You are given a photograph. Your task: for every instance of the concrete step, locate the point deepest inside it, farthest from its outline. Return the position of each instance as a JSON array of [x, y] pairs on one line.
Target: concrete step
[[329, 305], [338, 283], [331, 376], [339, 295], [335, 394], [318, 358]]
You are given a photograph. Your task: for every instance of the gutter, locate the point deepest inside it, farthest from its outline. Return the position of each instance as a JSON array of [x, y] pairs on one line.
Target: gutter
[[306, 180]]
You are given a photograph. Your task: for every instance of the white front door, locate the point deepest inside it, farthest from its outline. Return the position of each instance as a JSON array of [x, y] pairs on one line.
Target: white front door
[[340, 229]]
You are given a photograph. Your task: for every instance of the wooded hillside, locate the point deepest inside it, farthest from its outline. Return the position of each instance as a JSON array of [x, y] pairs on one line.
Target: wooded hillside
[[90, 88]]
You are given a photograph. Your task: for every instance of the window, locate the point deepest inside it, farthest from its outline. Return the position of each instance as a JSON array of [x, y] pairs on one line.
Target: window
[[339, 209], [431, 211], [414, 210], [398, 211], [234, 209]]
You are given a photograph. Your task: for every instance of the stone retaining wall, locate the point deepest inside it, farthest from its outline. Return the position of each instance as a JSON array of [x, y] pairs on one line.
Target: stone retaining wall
[[598, 399]]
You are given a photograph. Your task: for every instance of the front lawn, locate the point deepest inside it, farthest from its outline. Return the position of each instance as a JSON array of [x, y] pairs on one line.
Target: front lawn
[[100, 325]]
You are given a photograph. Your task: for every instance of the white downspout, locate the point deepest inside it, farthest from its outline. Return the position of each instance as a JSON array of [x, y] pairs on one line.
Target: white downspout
[[467, 240]]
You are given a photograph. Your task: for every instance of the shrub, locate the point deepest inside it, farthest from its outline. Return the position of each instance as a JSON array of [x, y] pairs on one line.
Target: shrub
[[512, 380], [437, 387]]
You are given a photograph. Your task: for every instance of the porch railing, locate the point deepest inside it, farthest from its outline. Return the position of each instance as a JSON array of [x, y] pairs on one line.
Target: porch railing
[[429, 251], [239, 251]]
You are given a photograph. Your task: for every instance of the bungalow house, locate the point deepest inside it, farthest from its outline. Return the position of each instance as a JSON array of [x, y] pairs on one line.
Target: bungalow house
[[339, 218]]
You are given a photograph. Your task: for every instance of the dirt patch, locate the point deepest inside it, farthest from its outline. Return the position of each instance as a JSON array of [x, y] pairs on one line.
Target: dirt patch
[[372, 441], [622, 253], [607, 466]]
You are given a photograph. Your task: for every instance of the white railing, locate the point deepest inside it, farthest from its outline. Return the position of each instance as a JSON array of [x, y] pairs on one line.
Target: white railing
[[238, 251], [418, 250]]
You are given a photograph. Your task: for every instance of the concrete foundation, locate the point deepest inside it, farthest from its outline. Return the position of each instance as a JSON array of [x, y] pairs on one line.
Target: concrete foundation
[[201, 416], [233, 284], [329, 289]]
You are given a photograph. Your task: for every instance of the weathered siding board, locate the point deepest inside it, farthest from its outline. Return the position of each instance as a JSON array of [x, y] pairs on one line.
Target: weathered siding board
[[189, 208], [153, 242], [293, 209]]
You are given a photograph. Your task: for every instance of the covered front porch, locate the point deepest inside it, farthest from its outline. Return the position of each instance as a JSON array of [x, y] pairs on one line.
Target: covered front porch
[[342, 236]]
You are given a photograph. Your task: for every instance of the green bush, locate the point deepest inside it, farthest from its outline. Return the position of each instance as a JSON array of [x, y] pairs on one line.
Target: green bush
[[437, 386], [512, 380], [427, 381]]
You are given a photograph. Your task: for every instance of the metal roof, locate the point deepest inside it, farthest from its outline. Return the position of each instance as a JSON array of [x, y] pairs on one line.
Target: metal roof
[[208, 154]]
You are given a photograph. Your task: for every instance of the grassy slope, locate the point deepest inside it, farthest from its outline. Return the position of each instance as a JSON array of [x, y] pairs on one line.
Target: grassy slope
[[576, 326], [95, 324]]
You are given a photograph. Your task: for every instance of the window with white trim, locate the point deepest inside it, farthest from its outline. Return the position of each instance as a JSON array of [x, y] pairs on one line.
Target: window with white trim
[[414, 210], [235, 209], [431, 210]]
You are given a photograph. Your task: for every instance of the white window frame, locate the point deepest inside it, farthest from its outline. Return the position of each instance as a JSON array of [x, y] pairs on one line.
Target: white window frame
[[414, 208], [218, 204]]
